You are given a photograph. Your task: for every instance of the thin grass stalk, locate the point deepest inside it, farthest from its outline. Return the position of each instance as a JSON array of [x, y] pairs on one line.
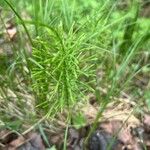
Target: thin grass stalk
[[21, 20], [105, 102]]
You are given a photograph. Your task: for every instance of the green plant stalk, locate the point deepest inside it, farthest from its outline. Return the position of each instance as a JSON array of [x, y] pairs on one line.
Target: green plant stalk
[[21, 20], [66, 131], [118, 74], [67, 97], [43, 135], [26, 31]]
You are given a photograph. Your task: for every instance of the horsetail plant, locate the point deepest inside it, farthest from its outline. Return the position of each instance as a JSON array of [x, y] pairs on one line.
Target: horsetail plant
[[58, 63]]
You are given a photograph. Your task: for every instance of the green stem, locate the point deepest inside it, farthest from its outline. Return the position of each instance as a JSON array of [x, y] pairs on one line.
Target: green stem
[[22, 22]]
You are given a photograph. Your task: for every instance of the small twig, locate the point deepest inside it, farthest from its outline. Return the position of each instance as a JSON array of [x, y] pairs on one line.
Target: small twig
[[31, 128], [2, 145]]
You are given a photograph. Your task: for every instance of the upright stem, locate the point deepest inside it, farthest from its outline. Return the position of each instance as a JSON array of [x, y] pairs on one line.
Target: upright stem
[[21, 20]]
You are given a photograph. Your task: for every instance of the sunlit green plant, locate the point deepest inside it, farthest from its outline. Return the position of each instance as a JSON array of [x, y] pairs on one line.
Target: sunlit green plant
[[59, 62]]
